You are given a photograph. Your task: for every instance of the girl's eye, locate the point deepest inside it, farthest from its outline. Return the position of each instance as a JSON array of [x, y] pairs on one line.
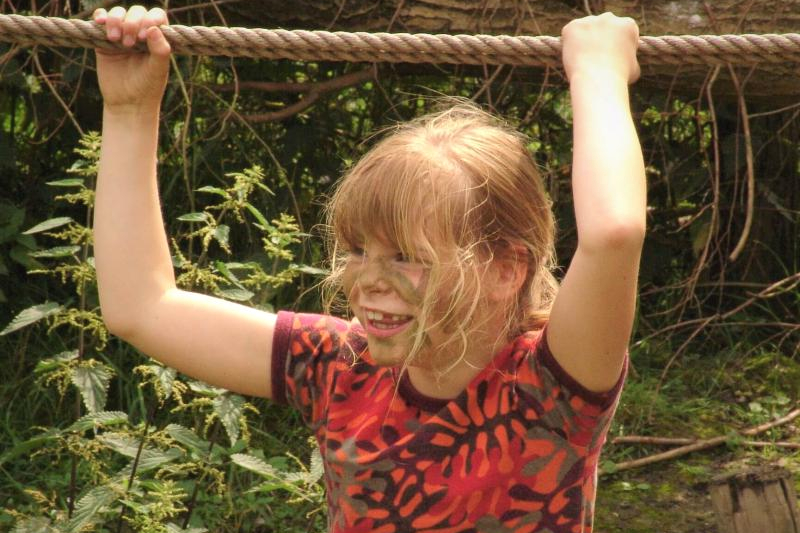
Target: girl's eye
[[357, 252], [402, 258]]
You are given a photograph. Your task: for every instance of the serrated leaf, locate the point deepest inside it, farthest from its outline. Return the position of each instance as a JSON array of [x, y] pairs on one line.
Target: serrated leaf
[[36, 524], [236, 294], [121, 443], [89, 507], [68, 182], [222, 233], [45, 365], [229, 410], [205, 389], [128, 446], [166, 377], [193, 217], [155, 458], [317, 468], [307, 269], [99, 419], [19, 253], [256, 213], [92, 382], [215, 190], [57, 251], [188, 438], [269, 486], [254, 464], [48, 225], [295, 477], [31, 315], [25, 447], [225, 271]]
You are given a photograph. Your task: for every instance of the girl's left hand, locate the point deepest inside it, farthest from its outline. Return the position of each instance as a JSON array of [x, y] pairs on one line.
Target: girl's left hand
[[601, 45]]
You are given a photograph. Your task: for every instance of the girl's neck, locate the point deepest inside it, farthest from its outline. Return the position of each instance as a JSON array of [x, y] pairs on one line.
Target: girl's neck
[[452, 383]]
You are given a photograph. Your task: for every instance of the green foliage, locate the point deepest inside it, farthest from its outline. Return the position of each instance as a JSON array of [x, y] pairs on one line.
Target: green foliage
[[150, 473]]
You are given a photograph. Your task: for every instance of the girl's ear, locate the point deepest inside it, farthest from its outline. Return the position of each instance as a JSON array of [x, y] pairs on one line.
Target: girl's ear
[[509, 269]]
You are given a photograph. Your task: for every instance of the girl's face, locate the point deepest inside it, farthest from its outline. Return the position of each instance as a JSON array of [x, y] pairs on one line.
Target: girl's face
[[385, 290]]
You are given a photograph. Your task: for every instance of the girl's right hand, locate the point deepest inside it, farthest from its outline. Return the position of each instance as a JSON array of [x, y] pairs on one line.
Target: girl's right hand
[[129, 79]]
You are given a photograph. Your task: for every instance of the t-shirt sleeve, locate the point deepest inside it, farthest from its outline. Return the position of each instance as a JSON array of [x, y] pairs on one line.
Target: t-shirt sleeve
[[307, 352], [563, 405]]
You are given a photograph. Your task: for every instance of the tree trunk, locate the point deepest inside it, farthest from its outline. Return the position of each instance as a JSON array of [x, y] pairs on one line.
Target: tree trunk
[[542, 17], [754, 501]]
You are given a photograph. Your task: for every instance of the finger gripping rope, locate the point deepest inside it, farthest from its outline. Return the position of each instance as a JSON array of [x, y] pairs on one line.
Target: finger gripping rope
[[402, 47]]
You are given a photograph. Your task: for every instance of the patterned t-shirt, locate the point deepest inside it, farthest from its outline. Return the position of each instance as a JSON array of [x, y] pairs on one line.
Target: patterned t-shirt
[[516, 451]]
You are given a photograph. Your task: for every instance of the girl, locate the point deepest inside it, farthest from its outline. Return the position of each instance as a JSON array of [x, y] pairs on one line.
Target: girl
[[469, 395]]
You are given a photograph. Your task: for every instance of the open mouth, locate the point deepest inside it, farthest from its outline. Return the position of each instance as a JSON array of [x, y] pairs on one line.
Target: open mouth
[[386, 324]]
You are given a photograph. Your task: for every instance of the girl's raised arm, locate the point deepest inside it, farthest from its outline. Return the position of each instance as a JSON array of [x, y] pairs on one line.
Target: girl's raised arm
[[591, 320], [219, 342]]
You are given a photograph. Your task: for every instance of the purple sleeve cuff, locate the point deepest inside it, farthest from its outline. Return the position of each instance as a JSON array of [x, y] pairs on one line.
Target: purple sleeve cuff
[[600, 399], [280, 348]]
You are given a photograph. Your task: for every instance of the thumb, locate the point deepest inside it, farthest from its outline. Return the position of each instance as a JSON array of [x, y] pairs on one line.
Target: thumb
[[157, 44]]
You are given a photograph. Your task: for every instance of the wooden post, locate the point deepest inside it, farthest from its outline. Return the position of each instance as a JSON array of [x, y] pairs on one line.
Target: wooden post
[[760, 500]]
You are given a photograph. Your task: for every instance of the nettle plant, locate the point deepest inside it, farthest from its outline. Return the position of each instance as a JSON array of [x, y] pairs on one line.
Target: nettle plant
[[133, 475]]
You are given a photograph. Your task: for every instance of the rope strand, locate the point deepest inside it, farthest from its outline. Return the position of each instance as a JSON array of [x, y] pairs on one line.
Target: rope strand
[[402, 47]]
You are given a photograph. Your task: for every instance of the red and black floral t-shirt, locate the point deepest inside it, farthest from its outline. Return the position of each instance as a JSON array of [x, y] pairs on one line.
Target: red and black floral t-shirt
[[516, 451]]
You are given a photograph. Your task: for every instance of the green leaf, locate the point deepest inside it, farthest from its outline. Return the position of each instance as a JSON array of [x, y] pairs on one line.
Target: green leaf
[[11, 219], [225, 271], [92, 382], [46, 365], [37, 524], [254, 464], [89, 507], [121, 443], [26, 446], [269, 486], [193, 217], [221, 233], [19, 253], [152, 458], [31, 315], [165, 376], [128, 446], [317, 468], [215, 190], [256, 213], [188, 438], [236, 294], [205, 389], [48, 225], [608, 467], [307, 269], [68, 182], [99, 419], [57, 251], [229, 410]]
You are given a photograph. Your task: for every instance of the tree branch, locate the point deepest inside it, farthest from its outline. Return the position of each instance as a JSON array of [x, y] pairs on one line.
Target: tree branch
[[702, 444]]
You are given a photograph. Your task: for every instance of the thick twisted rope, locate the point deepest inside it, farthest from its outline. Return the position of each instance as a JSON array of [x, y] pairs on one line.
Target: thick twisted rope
[[402, 47]]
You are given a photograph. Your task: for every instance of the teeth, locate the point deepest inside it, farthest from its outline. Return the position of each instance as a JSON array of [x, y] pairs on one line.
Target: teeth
[[386, 317]]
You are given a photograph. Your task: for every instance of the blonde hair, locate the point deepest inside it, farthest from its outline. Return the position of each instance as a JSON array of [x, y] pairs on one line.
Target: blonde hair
[[452, 189]]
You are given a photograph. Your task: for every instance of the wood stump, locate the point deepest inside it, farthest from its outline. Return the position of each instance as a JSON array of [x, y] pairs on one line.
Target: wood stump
[[760, 500]]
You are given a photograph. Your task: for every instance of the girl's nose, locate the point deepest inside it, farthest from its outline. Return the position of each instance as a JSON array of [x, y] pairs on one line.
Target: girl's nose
[[372, 278]]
